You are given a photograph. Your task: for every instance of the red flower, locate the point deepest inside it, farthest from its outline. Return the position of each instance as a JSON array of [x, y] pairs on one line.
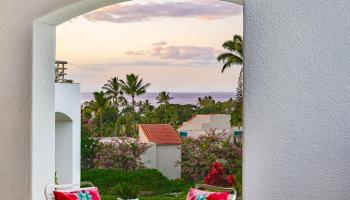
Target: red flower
[[230, 180], [213, 172], [216, 164]]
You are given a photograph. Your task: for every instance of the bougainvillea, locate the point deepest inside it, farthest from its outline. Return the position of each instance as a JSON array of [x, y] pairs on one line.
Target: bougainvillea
[[218, 176], [121, 153], [198, 155]]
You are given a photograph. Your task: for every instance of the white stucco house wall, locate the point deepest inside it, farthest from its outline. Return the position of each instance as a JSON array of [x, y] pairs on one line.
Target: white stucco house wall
[[296, 87], [202, 124], [164, 151], [67, 133]]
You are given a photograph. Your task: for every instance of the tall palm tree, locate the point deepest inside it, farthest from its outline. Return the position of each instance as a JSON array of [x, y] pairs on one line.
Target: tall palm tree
[[235, 54], [133, 86], [234, 57], [164, 98], [205, 101], [98, 106], [145, 106], [114, 92]]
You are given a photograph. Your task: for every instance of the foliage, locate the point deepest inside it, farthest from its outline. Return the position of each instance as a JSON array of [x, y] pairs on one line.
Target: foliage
[[122, 153], [164, 98], [234, 57], [114, 93], [88, 151], [218, 176], [122, 120], [143, 180], [197, 156], [98, 107], [235, 54], [215, 107], [133, 86], [125, 191], [237, 114]]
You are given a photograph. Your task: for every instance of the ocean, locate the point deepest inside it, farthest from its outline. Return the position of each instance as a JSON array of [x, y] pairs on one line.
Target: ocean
[[178, 97]]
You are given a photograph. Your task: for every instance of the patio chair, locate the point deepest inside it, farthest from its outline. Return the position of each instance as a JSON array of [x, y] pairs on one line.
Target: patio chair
[[232, 191], [66, 187]]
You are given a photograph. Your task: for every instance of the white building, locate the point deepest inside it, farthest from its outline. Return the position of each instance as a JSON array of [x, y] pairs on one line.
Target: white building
[[67, 133], [202, 124], [165, 149]]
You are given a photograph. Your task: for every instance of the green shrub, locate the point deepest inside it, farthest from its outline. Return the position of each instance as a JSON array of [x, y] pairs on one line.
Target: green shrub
[[144, 180], [125, 191], [198, 154]]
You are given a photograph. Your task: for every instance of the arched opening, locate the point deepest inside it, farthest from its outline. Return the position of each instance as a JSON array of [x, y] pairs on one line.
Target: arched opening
[[43, 77], [63, 148]]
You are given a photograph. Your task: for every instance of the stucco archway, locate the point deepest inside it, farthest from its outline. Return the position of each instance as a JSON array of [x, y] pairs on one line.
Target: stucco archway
[[63, 148], [44, 40], [296, 101]]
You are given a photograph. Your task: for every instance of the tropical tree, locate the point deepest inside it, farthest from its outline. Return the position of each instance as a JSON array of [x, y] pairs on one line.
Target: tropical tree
[[98, 106], [145, 106], [133, 86], [236, 116], [164, 98], [114, 92], [235, 54], [205, 101], [234, 57]]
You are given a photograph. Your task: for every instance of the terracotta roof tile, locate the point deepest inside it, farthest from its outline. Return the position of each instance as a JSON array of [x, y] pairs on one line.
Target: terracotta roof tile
[[161, 133]]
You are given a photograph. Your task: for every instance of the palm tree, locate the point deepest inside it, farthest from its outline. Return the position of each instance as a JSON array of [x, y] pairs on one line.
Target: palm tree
[[164, 98], [235, 54], [205, 101], [98, 106], [133, 87], [114, 92], [145, 106]]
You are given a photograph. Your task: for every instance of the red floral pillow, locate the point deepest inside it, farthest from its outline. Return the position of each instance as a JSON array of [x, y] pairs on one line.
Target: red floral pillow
[[194, 194], [82, 194]]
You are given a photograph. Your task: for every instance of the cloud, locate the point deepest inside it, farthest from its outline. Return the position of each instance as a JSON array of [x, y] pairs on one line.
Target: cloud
[[98, 67], [135, 53], [160, 43], [136, 12], [184, 52], [194, 54]]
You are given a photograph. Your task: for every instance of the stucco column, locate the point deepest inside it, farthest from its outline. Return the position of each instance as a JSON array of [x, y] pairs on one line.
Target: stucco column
[[296, 106]]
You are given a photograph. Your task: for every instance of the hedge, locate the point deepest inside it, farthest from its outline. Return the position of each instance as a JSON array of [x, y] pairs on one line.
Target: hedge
[[149, 180]]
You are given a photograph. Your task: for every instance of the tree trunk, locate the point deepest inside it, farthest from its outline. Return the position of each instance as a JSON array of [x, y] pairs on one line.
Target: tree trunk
[[101, 125], [133, 113]]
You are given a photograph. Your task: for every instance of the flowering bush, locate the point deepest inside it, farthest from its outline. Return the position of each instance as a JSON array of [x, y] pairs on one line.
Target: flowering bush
[[217, 176], [198, 156], [122, 153]]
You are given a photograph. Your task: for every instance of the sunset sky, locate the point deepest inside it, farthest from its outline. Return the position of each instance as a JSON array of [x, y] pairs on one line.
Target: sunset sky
[[171, 44]]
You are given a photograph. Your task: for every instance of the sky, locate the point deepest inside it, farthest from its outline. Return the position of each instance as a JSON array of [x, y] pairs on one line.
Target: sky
[[172, 44]]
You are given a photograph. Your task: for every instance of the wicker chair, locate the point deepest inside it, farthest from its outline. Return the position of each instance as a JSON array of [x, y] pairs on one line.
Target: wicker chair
[[66, 187], [232, 191]]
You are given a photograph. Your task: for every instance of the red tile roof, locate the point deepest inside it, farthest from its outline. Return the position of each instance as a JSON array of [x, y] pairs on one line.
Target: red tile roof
[[161, 133]]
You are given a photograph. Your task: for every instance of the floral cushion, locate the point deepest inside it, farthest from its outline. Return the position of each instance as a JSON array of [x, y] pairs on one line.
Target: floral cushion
[[194, 194], [82, 194]]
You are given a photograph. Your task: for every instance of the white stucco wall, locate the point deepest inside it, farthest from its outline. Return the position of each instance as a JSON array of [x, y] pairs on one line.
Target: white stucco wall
[[296, 104], [149, 158], [167, 156], [296, 86], [162, 157], [202, 124], [63, 151], [67, 101]]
